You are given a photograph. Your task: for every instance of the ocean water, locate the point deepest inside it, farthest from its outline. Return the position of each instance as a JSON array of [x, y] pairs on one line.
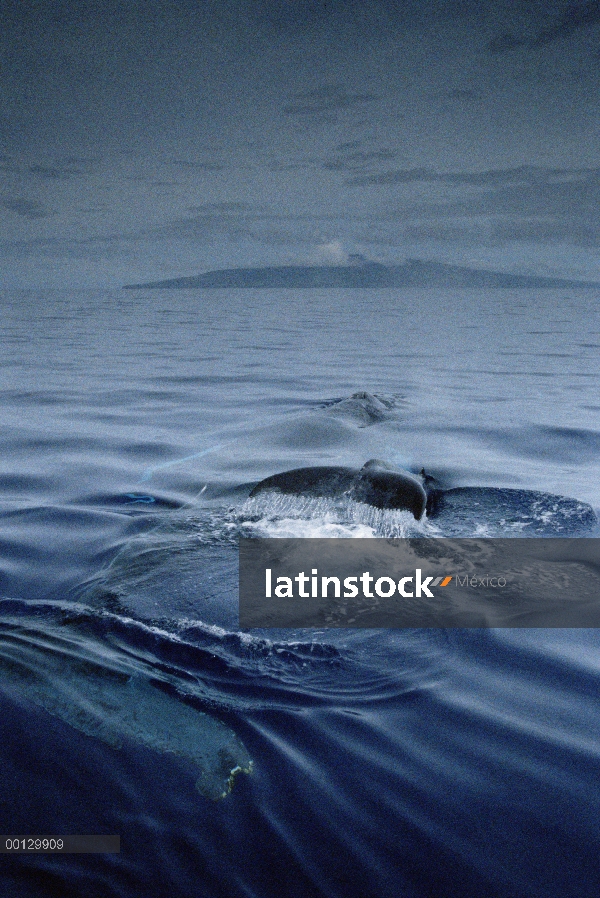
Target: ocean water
[[418, 763]]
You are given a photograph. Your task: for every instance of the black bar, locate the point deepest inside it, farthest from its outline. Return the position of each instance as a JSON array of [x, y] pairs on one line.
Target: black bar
[[493, 582], [60, 844]]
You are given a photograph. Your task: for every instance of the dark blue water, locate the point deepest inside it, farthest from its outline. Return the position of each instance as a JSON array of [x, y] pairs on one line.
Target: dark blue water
[[385, 763]]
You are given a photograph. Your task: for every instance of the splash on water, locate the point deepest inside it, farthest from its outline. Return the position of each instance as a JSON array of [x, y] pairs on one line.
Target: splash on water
[[281, 515]]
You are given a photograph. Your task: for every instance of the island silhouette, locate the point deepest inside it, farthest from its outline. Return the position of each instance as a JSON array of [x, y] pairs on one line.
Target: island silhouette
[[360, 273]]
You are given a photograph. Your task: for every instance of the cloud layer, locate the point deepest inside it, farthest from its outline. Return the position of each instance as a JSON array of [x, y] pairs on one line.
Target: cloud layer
[[158, 139]]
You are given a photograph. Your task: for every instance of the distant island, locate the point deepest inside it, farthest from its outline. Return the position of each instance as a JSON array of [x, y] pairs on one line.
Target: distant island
[[361, 274]]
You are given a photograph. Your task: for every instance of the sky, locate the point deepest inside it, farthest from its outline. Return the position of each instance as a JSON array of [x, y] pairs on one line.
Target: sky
[[143, 139]]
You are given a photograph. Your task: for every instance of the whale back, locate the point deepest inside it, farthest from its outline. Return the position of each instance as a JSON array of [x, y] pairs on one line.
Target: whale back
[[375, 484], [315, 482], [382, 486]]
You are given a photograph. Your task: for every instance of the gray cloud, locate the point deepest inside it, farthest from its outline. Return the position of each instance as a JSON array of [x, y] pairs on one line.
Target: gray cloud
[[9, 167], [352, 159], [570, 195], [306, 15], [234, 221], [523, 174], [210, 222], [31, 209], [330, 98], [459, 93], [227, 207], [55, 170], [291, 166], [584, 234], [111, 246], [203, 225], [527, 204], [493, 232], [52, 172], [64, 168], [380, 115], [575, 17], [201, 165]]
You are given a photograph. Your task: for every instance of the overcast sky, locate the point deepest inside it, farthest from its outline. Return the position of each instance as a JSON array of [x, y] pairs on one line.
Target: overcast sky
[[144, 139]]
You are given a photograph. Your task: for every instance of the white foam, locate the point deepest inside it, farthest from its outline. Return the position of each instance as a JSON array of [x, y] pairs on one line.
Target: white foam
[[276, 515], [299, 528]]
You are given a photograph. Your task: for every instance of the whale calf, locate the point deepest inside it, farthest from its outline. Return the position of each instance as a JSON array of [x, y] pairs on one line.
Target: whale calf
[[376, 483]]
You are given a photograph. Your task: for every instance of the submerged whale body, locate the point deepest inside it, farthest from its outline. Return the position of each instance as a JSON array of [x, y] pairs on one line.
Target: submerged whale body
[[115, 697], [362, 408], [374, 484]]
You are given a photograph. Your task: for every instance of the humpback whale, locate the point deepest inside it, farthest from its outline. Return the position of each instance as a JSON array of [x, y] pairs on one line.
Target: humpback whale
[[376, 483], [501, 510], [362, 408], [114, 696]]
